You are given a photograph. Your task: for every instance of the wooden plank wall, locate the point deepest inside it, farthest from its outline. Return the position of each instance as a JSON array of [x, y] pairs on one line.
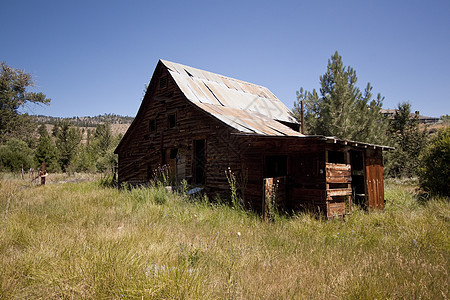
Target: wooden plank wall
[[145, 149], [339, 190], [305, 179], [374, 178]]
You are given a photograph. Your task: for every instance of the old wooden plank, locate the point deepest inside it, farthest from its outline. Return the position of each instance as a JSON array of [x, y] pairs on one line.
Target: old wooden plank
[[339, 192], [339, 179]]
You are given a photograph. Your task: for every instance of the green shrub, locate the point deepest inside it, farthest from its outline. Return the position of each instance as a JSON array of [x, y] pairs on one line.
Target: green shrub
[[435, 171], [14, 154]]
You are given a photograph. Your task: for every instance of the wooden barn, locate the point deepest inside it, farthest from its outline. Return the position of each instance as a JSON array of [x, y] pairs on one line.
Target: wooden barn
[[203, 125]]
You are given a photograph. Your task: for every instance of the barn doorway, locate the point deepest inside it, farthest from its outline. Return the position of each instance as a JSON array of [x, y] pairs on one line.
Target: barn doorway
[[358, 178], [199, 160]]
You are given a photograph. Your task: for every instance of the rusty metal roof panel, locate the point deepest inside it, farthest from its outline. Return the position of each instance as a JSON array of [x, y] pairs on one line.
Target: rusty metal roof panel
[[245, 106], [248, 122], [187, 89]]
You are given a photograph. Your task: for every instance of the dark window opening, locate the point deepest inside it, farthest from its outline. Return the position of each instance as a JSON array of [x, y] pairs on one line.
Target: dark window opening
[[173, 153], [336, 157], [276, 166], [172, 120], [356, 159], [199, 162], [338, 186], [152, 125], [163, 82]]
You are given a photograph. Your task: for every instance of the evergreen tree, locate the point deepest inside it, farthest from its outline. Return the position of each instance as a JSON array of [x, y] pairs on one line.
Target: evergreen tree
[[105, 143], [13, 95], [67, 140], [341, 109], [409, 142], [46, 151], [434, 171], [86, 157], [55, 128], [103, 137]]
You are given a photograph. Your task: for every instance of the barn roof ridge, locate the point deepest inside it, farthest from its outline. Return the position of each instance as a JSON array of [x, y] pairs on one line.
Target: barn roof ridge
[[167, 63], [201, 86]]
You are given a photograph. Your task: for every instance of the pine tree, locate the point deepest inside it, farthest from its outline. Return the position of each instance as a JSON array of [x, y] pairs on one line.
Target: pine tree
[[105, 143], [409, 142], [103, 137], [67, 140], [341, 109], [46, 151], [13, 95]]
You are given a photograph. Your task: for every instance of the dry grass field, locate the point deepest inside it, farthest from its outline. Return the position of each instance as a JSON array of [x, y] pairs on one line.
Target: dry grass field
[[84, 240]]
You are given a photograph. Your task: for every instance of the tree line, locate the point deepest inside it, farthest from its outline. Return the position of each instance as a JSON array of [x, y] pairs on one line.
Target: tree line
[[86, 121], [26, 144]]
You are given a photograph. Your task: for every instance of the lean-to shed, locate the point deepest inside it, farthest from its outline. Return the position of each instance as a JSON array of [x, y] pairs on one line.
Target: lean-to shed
[[202, 124]]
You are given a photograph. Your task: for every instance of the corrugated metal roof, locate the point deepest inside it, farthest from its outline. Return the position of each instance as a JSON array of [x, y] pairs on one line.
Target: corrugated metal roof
[[248, 107], [247, 121]]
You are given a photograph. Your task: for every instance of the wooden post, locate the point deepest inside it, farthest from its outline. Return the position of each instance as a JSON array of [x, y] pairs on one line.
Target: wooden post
[[43, 173], [267, 197], [23, 177]]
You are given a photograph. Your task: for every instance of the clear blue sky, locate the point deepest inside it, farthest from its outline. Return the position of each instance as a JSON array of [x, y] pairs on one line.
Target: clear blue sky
[[94, 57]]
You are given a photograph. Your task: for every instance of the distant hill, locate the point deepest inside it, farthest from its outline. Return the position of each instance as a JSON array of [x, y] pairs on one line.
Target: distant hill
[[119, 124], [86, 121]]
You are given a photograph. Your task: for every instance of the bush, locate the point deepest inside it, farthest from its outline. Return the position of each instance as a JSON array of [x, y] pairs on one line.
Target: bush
[[435, 171], [14, 154]]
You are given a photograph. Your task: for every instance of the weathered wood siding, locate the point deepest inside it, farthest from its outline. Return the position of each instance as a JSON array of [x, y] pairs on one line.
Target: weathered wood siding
[[168, 128], [339, 190], [305, 171], [374, 178], [144, 149], [313, 183]]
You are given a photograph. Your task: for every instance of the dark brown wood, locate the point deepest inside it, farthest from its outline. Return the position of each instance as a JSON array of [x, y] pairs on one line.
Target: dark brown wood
[[375, 183], [43, 173]]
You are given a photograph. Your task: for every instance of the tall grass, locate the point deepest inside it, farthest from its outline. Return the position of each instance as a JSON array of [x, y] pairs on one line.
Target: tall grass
[[81, 240]]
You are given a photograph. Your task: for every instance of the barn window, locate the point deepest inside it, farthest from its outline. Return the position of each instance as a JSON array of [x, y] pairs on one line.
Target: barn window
[[152, 125], [172, 118], [276, 166], [336, 157], [163, 82]]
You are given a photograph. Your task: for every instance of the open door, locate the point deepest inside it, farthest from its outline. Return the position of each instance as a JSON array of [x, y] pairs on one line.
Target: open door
[[358, 178]]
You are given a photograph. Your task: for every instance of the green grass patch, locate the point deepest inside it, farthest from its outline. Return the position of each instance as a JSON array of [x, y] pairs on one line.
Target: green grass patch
[[83, 240]]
